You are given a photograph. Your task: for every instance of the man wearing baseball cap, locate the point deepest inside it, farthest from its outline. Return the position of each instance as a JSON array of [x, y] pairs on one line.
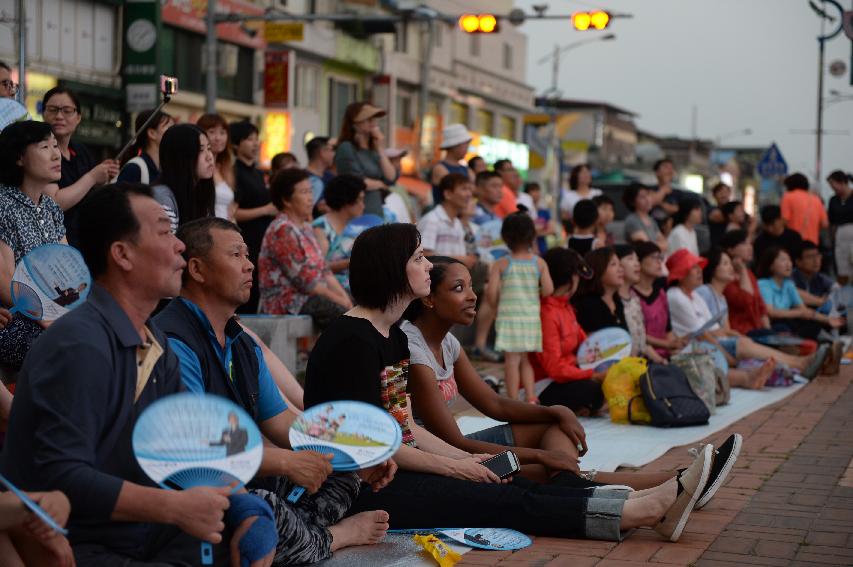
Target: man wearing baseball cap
[[455, 140]]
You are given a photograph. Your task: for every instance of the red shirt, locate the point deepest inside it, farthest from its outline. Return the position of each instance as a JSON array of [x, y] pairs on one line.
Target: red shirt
[[561, 337], [508, 203], [746, 310]]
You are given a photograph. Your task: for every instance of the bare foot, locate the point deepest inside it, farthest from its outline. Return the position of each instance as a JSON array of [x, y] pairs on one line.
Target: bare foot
[[534, 400], [761, 374], [365, 528]]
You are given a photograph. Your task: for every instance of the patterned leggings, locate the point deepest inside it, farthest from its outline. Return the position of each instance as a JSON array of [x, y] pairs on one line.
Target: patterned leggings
[[16, 339], [303, 528]]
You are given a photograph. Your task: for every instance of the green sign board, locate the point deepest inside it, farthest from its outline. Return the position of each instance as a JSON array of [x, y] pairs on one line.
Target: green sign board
[[141, 66]]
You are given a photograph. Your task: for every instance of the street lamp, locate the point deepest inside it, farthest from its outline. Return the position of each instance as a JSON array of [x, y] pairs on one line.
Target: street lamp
[[554, 92]]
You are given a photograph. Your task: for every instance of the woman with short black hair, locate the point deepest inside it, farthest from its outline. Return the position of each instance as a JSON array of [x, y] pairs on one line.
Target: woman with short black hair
[[365, 356], [30, 166]]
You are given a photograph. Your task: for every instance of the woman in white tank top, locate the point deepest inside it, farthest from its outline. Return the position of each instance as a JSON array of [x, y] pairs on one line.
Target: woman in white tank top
[[216, 128]]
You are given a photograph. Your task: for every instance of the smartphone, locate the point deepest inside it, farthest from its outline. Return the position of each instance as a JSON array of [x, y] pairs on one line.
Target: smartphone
[[168, 85], [503, 465]]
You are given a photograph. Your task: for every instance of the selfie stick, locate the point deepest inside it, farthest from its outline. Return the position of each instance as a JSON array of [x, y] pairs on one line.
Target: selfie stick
[[144, 127]]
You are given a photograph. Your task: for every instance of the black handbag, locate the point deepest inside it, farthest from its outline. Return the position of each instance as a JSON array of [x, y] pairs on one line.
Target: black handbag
[[669, 398]]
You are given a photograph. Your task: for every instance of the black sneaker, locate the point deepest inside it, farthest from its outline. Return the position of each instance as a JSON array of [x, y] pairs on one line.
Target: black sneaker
[[811, 371], [724, 459]]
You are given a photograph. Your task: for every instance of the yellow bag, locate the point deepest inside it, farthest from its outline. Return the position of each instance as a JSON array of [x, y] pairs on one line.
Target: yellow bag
[[621, 388]]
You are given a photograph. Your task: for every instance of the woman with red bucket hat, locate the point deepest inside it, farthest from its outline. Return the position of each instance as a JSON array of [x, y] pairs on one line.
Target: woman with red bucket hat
[[690, 313]]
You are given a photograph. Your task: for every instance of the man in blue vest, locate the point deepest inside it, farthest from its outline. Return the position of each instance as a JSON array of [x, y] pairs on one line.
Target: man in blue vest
[[218, 356]]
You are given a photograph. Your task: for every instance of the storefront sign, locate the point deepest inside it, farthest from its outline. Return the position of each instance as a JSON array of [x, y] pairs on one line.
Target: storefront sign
[[275, 135], [280, 32], [141, 33], [493, 149], [191, 14], [275, 78]]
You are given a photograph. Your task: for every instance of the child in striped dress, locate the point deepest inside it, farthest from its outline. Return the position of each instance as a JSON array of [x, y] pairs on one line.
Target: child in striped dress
[[515, 284]]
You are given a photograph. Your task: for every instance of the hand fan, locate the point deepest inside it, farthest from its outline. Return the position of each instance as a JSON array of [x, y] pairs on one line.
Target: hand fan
[[188, 440], [12, 111], [603, 348], [49, 281], [35, 508], [359, 436], [495, 539], [359, 224]]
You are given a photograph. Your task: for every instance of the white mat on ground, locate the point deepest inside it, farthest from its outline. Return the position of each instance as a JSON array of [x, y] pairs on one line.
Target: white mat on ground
[[397, 550], [612, 445]]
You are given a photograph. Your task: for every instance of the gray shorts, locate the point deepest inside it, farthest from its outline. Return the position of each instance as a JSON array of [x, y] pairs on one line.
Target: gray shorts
[[499, 435]]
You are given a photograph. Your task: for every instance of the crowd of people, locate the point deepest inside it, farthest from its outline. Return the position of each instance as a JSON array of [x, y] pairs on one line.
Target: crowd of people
[[189, 231]]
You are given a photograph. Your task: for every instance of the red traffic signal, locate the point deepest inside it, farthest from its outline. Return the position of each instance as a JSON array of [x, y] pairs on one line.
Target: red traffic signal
[[597, 19], [479, 23]]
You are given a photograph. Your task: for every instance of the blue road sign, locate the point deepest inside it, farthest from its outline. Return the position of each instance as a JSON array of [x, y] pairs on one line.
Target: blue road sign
[[772, 164]]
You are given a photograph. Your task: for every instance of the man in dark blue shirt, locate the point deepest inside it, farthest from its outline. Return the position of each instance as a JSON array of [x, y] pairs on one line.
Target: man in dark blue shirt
[[217, 356], [82, 388]]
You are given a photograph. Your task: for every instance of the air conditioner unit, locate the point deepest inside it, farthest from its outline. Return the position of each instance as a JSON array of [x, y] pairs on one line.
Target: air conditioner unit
[[228, 57]]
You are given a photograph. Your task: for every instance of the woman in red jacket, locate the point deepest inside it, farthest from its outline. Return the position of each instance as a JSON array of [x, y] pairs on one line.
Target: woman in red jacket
[[577, 389]]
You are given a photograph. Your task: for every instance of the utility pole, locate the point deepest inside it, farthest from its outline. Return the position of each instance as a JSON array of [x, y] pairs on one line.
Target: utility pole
[[22, 52], [210, 51]]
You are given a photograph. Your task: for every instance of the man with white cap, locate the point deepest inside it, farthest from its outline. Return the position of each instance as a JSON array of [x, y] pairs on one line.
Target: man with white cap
[[455, 139]]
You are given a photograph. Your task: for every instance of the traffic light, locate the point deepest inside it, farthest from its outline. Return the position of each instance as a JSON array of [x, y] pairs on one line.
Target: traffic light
[[597, 19], [479, 23]]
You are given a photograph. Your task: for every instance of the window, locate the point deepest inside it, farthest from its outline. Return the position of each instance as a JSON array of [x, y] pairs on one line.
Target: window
[[507, 128], [307, 81], [475, 45], [458, 113], [183, 58], [341, 94], [485, 122], [405, 113], [507, 56], [401, 38]]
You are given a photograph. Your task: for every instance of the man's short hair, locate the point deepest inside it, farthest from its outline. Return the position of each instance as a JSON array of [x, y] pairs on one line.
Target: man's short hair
[[279, 160], [377, 269], [502, 164], [719, 187], [603, 200], [314, 145], [4, 65], [585, 214], [283, 183], [484, 176], [106, 216], [770, 214], [661, 162], [197, 238], [733, 238], [804, 246], [451, 181], [239, 131], [729, 208], [532, 186], [796, 181]]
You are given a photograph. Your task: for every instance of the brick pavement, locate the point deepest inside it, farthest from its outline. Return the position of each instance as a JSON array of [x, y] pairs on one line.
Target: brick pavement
[[788, 501]]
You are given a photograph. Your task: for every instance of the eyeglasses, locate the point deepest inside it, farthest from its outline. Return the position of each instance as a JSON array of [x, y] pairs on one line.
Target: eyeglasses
[[12, 87], [66, 111]]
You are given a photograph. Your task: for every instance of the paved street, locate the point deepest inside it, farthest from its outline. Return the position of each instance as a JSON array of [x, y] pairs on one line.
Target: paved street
[[789, 500]]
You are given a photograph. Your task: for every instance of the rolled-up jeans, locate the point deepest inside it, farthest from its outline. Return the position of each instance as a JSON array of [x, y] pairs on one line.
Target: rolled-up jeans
[[420, 500]]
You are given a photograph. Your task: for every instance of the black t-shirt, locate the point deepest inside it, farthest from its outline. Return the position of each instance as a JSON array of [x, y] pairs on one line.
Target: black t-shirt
[[789, 240], [581, 245], [840, 212], [353, 361], [593, 314], [250, 192], [78, 165]]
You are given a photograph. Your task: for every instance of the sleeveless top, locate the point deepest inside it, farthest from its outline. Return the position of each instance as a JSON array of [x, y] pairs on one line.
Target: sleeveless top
[[224, 198], [451, 168], [655, 310], [518, 326]]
